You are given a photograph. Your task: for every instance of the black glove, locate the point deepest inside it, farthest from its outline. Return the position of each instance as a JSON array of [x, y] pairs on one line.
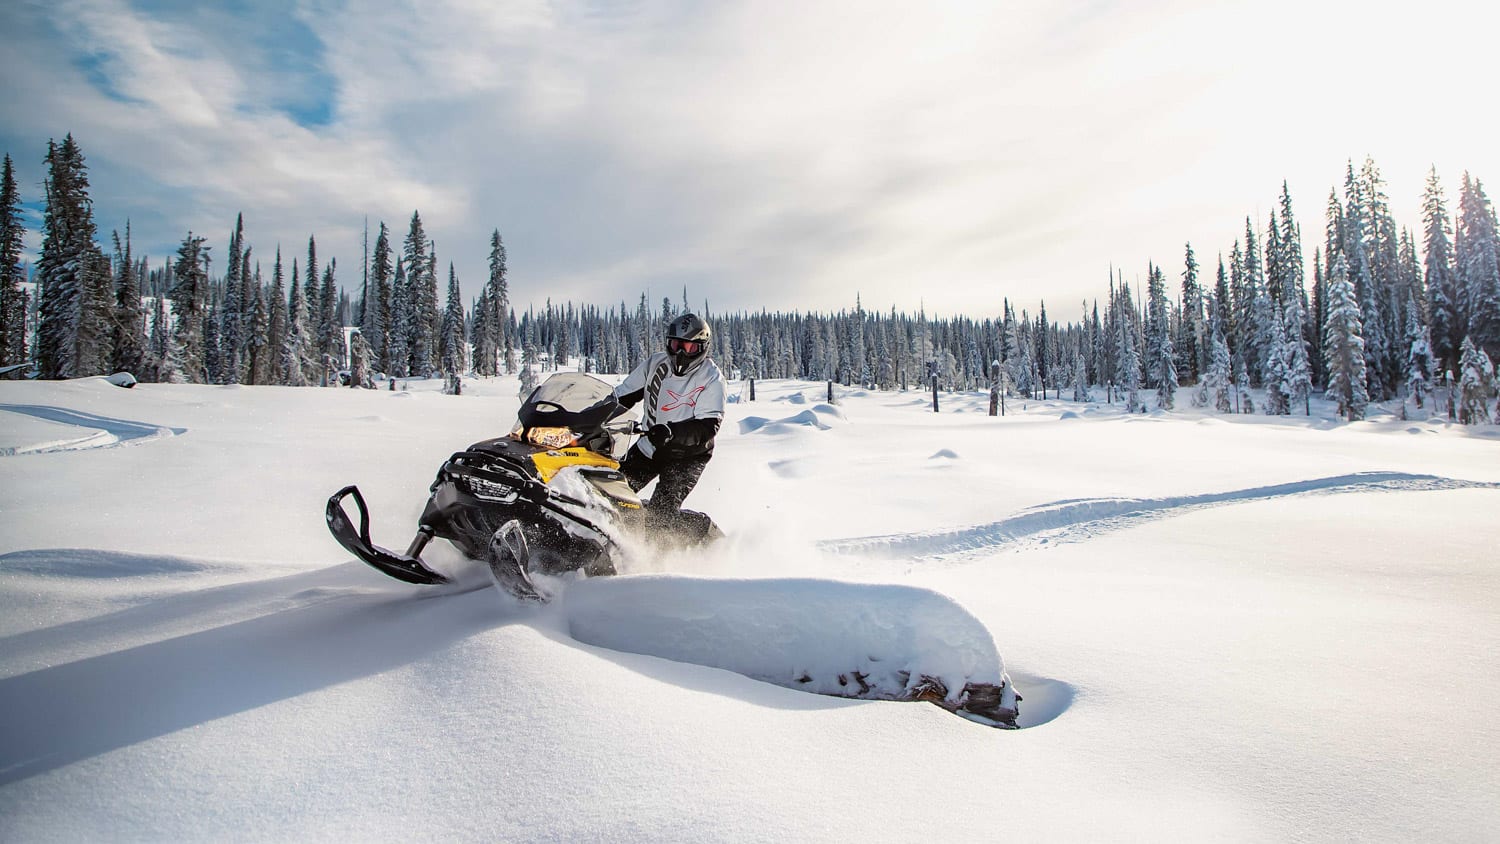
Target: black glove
[[660, 435]]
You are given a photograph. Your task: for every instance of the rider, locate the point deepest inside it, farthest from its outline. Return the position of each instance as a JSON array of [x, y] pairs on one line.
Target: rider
[[684, 394]]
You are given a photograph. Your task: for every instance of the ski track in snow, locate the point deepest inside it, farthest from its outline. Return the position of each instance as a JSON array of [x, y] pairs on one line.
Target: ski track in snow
[[97, 431], [1082, 519]]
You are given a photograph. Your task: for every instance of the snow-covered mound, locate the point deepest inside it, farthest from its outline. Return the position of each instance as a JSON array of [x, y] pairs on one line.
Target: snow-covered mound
[[822, 636], [819, 417]]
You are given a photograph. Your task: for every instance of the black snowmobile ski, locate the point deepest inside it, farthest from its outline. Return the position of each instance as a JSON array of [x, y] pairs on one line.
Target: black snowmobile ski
[[406, 567]]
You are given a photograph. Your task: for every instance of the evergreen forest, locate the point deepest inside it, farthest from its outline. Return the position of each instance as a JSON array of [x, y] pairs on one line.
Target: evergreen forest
[[1377, 312]]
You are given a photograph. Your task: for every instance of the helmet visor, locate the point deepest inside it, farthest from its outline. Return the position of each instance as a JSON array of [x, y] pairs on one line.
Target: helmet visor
[[684, 347]]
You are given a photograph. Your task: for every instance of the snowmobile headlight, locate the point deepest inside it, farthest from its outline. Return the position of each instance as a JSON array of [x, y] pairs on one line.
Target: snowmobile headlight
[[491, 491], [551, 437]]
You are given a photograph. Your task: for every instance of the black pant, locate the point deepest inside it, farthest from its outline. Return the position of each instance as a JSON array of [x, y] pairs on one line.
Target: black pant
[[675, 477]]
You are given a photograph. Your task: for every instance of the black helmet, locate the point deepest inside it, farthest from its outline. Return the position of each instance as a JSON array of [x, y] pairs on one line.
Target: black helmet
[[687, 343]]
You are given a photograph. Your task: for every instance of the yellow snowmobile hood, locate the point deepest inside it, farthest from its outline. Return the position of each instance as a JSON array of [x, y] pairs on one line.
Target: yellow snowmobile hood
[[549, 463]]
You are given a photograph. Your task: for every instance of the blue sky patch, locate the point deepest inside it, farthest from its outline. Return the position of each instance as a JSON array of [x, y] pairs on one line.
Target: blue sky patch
[[282, 59]]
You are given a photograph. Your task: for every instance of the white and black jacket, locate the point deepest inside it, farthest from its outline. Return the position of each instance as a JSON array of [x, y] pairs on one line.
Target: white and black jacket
[[693, 404]]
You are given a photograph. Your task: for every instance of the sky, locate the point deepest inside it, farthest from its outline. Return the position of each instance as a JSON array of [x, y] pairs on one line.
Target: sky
[[778, 155]]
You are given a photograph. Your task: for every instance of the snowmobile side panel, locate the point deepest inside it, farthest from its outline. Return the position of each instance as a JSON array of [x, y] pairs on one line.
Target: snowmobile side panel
[[403, 567], [549, 463]]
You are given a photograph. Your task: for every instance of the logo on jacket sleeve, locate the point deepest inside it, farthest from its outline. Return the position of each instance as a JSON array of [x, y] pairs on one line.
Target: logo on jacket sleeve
[[679, 399]]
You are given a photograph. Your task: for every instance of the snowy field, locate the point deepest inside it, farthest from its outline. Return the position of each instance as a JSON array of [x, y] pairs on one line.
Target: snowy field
[[1247, 628]]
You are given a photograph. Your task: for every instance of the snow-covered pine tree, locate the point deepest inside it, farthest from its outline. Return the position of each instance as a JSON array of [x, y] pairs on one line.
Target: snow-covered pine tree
[[159, 347], [231, 333], [1274, 376], [213, 344], [189, 298], [418, 322], [297, 352], [452, 345], [96, 306], [1042, 358], [1253, 314], [65, 263], [1443, 292], [483, 333], [1217, 381], [1476, 384], [398, 336], [1195, 352], [276, 326], [1372, 320], [377, 302], [248, 292], [1296, 365], [1420, 360], [528, 359], [359, 360], [564, 338], [1382, 246], [1343, 344], [1318, 317], [130, 315], [1162, 356], [1478, 263], [259, 355], [330, 343], [1128, 369], [12, 297]]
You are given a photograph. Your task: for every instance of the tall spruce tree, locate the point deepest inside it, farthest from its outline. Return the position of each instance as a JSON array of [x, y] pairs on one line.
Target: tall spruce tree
[[1218, 382], [187, 360], [1476, 384], [130, 315], [231, 331], [330, 328], [1196, 352], [296, 353], [12, 296], [1421, 363], [451, 343], [377, 302], [1446, 320], [67, 268], [398, 336], [276, 324], [261, 355], [159, 347], [421, 300], [499, 290], [1161, 356], [1478, 262], [1343, 344]]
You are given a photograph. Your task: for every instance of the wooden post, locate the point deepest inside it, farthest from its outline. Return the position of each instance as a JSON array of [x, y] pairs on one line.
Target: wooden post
[[934, 393], [830, 392], [994, 387], [752, 389]]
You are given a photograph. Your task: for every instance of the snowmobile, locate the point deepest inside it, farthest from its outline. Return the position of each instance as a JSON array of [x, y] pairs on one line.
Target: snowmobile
[[548, 498]]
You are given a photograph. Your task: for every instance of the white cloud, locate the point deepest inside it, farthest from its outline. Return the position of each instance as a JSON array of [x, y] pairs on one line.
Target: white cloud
[[789, 155]]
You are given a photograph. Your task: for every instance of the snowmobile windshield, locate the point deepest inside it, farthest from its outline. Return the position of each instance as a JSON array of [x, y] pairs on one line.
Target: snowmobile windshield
[[570, 400]]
